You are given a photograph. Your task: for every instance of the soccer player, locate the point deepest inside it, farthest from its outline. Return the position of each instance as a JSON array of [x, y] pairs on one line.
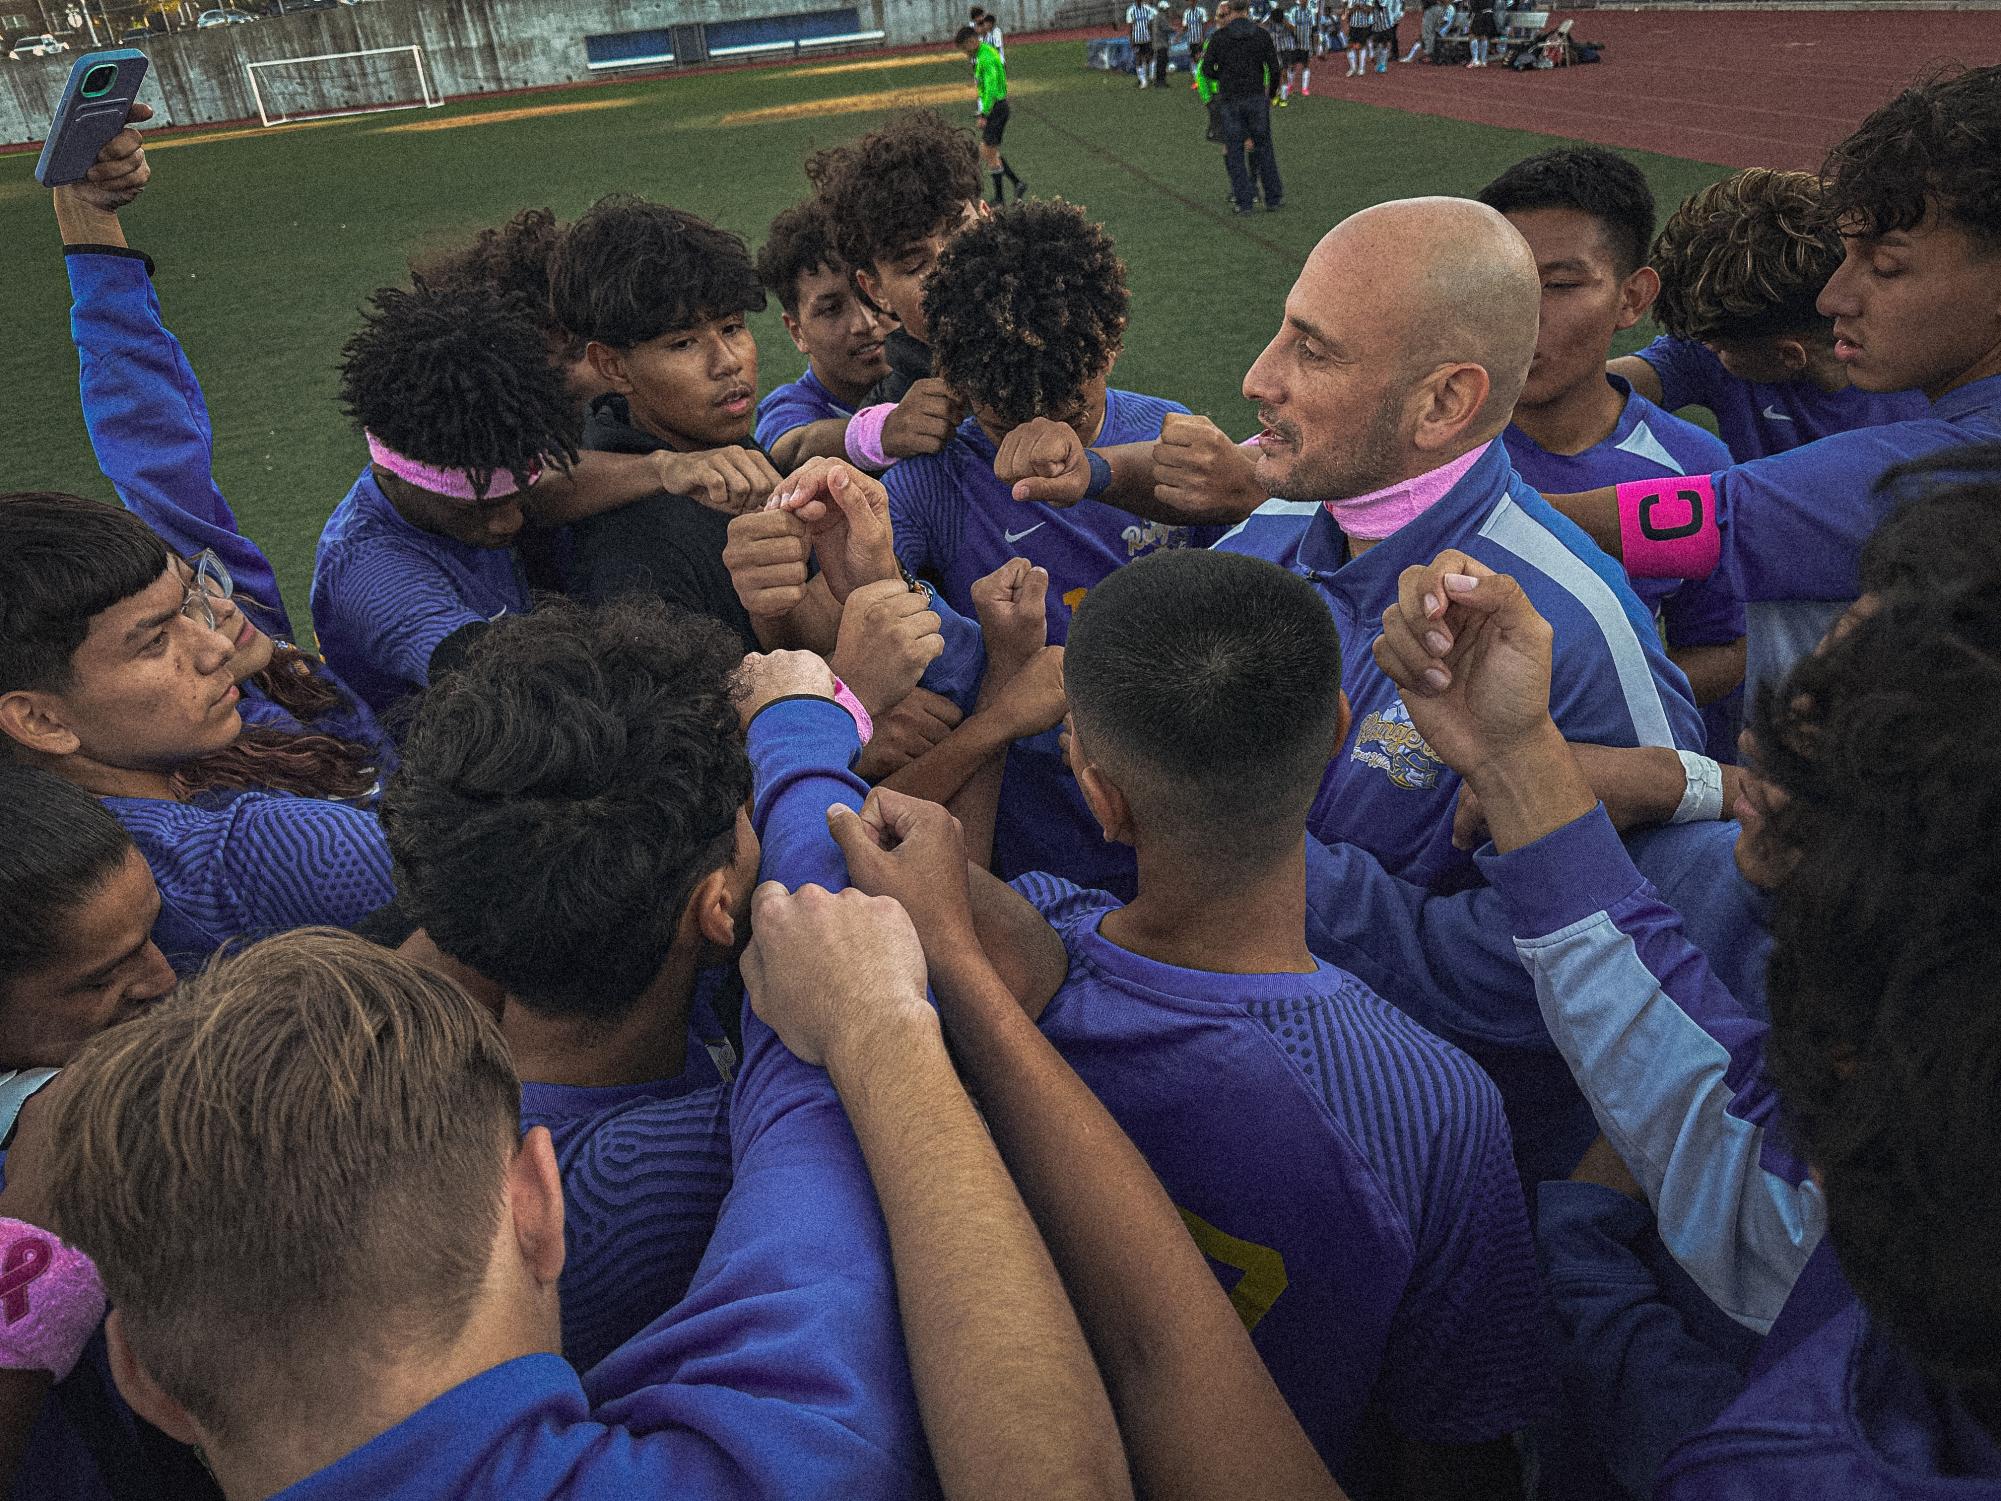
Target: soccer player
[[1741, 267], [117, 674], [1879, 1010], [1297, 55], [77, 903], [836, 329], [569, 825], [1242, 62], [1347, 1170], [149, 427], [988, 26], [1916, 303], [1015, 354], [894, 198], [1141, 17], [1588, 216], [1360, 25], [461, 410], [1742, 264], [661, 300], [990, 75]]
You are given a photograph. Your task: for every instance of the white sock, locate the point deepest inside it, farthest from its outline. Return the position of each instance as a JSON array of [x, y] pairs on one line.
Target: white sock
[[1306, 82]]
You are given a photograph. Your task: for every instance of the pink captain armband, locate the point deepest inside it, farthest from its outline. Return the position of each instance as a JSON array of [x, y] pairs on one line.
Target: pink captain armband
[[845, 697], [1667, 527], [864, 438], [51, 1301]]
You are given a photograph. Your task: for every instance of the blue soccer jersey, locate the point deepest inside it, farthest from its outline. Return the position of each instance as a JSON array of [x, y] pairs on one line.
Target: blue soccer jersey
[[1757, 420], [1611, 683], [386, 593], [1348, 1174], [1647, 443], [955, 523], [782, 1372], [645, 1168], [1793, 525], [149, 426], [247, 865], [795, 404]]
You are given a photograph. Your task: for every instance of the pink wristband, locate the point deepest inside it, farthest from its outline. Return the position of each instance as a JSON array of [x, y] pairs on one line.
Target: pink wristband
[[845, 697], [864, 439], [1667, 527], [51, 1301]]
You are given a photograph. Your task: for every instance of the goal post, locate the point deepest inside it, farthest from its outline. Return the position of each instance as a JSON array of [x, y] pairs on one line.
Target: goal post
[[327, 85]]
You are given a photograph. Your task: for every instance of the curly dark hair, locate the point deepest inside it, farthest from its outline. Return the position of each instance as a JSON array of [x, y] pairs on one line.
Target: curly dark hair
[[1938, 143], [1885, 748], [562, 793], [459, 379], [1591, 180], [1746, 257], [631, 270], [1025, 307], [799, 242], [513, 259], [896, 185]]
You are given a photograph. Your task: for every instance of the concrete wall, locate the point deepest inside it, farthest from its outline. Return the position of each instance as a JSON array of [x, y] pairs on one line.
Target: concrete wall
[[470, 46]]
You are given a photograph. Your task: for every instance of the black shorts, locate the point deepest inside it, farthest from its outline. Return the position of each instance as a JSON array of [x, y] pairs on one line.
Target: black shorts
[[1387, 34], [996, 124], [1295, 56], [1483, 25]]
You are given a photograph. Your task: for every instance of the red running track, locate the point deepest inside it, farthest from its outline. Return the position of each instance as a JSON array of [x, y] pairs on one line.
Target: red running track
[[1745, 88]]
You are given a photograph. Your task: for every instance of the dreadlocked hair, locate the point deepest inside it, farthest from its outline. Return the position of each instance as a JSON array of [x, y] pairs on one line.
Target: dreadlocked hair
[[1025, 308], [1746, 257], [897, 185], [513, 259], [1936, 144], [459, 378]]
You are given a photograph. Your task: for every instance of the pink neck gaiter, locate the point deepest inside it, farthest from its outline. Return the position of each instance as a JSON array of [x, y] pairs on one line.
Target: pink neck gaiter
[[1381, 512]]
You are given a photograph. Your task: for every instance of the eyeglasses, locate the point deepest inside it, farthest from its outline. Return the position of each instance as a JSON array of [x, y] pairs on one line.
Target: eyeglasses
[[211, 581]]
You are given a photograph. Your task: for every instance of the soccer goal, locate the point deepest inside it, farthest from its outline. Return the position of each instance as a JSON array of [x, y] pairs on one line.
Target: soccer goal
[[369, 82]]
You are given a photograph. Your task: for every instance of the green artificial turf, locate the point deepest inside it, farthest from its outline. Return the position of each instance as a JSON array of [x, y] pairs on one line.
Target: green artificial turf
[[268, 242]]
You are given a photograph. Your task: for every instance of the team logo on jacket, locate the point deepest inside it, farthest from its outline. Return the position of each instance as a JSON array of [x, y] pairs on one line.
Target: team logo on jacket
[[1388, 741], [1153, 534]]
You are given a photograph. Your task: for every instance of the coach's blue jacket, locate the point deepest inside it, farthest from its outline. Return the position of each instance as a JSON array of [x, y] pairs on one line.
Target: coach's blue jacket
[[1611, 682]]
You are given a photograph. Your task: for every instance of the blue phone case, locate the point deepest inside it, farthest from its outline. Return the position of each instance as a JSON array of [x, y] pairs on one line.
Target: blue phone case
[[87, 118]]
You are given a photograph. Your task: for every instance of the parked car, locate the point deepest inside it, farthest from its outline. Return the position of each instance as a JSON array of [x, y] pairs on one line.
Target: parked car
[[223, 17], [136, 35], [38, 46]]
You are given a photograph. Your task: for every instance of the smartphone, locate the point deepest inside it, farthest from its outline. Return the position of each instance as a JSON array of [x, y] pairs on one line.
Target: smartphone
[[101, 89]]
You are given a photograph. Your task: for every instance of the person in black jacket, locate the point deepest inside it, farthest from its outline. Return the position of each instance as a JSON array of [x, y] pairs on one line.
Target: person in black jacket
[[1243, 64], [660, 299]]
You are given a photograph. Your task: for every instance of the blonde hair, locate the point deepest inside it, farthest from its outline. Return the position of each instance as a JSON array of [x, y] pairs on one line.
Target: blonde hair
[[1746, 257], [289, 1172]]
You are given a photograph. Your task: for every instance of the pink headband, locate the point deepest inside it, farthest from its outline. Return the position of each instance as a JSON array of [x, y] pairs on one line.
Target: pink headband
[[1381, 512], [455, 483]]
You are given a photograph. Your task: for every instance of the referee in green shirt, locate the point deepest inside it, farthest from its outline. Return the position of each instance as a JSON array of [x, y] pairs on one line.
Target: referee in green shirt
[[990, 73]]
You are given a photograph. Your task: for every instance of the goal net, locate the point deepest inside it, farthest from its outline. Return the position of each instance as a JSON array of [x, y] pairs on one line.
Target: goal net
[[290, 89]]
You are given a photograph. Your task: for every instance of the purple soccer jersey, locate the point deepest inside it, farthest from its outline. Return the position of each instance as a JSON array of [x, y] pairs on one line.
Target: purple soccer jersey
[[793, 405], [1348, 1174], [1757, 420]]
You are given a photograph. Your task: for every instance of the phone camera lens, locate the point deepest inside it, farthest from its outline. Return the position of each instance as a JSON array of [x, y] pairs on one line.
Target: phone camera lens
[[98, 81]]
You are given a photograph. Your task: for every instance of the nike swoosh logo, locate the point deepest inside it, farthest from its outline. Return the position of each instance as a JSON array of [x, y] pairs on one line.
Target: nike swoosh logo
[[1013, 537], [1773, 414]]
